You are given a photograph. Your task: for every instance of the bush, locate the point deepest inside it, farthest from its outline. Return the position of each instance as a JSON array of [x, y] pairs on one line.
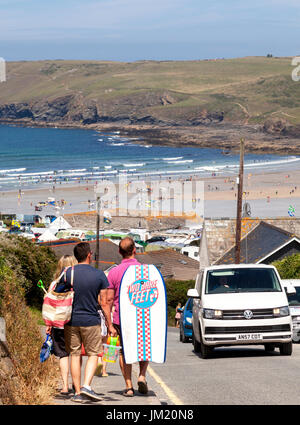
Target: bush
[[177, 293], [289, 267], [32, 382], [31, 263]]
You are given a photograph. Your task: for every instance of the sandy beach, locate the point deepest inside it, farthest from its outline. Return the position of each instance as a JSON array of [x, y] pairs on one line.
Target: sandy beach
[[269, 195]]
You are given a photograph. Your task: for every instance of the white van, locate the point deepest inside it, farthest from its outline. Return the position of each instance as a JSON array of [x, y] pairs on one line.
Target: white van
[[294, 304], [240, 304]]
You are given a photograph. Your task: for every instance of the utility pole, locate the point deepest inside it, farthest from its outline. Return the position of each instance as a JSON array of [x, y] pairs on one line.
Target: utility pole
[[239, 205], [97, 233]]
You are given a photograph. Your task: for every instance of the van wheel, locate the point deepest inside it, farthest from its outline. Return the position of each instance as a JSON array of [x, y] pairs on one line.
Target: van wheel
[[269, 348], [196, 344], [205, 350], [286, 349]]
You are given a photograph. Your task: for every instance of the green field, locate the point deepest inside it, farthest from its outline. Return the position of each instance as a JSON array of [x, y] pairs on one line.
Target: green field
[[252, 88]]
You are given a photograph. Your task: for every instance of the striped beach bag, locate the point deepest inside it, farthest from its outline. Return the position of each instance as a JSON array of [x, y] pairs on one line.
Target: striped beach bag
[[57, 307]]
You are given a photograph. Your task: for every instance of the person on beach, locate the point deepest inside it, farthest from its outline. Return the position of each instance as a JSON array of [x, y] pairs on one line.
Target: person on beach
[[127, 251], [84, 327], [57, 334]]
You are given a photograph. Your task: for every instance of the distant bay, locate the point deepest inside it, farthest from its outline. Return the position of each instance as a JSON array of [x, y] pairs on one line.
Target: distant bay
[[39, 157]]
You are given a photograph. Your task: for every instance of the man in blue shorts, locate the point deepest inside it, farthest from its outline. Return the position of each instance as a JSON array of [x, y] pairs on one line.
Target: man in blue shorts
[[90, 287]]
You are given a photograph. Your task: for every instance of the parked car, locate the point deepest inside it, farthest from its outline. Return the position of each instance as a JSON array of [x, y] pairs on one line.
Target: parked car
[[240, 304], [185, 324], [294, 304]]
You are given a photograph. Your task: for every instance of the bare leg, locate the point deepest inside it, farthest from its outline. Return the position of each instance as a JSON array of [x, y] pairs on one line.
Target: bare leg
[[143, 370], [90, 369], [126, 371], [64, 370], [76, 372]]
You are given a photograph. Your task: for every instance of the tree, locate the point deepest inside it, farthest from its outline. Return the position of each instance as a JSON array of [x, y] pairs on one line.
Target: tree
[[289, 267]]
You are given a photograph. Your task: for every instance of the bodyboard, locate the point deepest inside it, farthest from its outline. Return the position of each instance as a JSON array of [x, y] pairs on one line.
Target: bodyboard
[[143, 314]]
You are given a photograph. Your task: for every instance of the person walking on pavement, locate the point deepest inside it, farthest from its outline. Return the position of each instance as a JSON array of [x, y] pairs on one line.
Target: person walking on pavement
[[127, 251], [57, 334], [85, 324]]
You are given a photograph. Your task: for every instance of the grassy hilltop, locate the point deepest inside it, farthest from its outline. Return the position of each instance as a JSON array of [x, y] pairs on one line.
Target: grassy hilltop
[[247, 91], [258, 86]]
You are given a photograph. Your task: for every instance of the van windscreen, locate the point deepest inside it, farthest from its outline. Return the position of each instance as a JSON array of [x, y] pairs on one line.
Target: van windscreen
[[242, 280]]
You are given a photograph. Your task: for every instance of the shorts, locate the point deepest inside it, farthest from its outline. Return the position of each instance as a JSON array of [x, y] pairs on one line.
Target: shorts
[[89, 336], [118, 329], [59, 346]]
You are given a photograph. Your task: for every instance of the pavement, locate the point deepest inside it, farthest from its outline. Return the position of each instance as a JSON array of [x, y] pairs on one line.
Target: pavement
[[111, 388]]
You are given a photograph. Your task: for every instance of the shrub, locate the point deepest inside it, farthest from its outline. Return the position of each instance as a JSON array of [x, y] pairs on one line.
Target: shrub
[[32, 382], [31, 263], [289, 267]]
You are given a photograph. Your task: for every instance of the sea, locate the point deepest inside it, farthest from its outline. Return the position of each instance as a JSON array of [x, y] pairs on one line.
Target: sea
[[39, 157]]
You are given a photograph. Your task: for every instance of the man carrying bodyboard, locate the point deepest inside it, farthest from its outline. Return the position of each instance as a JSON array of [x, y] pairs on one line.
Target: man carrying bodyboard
[[127, 251]]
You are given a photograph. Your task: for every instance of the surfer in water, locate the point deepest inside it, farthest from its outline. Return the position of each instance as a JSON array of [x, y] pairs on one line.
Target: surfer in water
[[127, 251]]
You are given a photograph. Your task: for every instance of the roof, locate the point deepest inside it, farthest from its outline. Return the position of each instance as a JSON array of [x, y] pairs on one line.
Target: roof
[[171, 264], [259, 244]]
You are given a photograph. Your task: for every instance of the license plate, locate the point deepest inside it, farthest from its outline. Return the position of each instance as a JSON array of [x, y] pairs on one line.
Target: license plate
[[249, 337]]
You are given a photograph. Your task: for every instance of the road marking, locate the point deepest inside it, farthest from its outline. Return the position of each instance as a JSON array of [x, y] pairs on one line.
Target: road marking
[[165, 387]]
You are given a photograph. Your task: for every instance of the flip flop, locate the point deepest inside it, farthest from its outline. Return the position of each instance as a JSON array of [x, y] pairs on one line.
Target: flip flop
[[142, 387], [104, 375], [64, 393], [125, 392]]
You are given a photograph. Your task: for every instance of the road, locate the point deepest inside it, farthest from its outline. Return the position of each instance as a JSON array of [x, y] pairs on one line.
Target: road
[[233, 376]]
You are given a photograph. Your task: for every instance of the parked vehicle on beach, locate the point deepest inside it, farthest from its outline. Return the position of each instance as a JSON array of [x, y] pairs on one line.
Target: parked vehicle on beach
[[294, 304], [240, 304], [185, 323]]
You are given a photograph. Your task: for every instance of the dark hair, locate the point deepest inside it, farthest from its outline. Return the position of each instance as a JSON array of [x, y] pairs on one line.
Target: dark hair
[[81, 251], [126, 247]]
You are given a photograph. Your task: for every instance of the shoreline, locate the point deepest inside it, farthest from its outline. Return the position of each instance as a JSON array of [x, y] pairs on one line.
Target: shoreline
[[269, 193], [224, 135]]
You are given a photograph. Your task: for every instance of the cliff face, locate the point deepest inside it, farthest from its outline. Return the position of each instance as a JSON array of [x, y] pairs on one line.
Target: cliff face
[[127, 110]]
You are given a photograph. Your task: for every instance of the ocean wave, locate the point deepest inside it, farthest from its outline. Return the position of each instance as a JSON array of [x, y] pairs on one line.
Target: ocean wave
[[267, 163], [181, 162], [12, 170], [171, 159], [139, 164], [117, 144]]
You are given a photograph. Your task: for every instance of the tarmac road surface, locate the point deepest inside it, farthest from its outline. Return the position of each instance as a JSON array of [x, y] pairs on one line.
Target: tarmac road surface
[[241, 375]]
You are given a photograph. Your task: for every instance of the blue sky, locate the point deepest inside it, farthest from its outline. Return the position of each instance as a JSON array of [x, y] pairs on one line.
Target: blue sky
[[129, 30]]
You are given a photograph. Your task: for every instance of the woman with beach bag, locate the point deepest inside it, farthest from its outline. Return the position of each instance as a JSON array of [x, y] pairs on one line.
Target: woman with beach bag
[[56, 312]]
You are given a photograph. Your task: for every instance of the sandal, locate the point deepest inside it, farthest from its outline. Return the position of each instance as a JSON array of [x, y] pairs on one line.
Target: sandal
[[125, 392], [65, 393], [142, 387]]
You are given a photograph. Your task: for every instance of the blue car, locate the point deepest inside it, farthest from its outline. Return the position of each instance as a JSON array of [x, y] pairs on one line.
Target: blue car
[[185, 324]]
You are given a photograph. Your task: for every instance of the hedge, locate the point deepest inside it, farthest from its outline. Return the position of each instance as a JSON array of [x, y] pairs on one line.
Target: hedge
[[289, 267], [177, 293]]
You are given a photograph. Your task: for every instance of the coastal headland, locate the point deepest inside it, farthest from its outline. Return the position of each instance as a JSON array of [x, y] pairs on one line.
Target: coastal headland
[[207, 103]]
